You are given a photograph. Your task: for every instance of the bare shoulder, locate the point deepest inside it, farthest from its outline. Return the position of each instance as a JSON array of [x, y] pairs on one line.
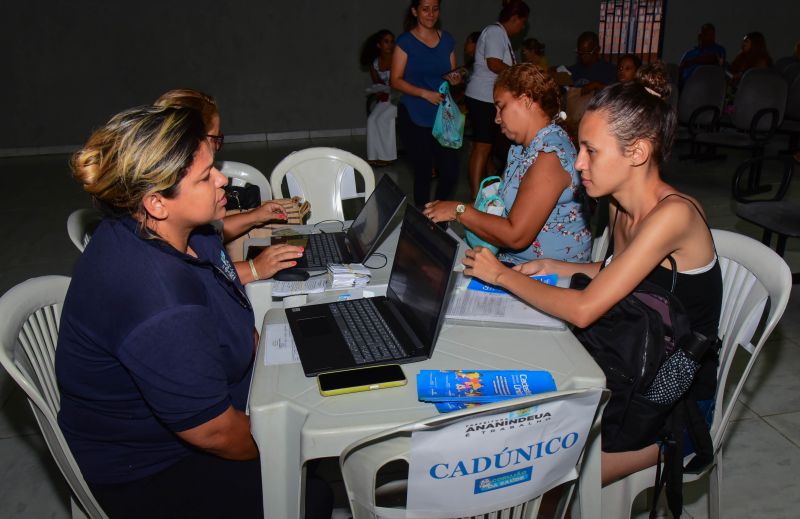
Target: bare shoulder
[[680, 211], [680, 218]]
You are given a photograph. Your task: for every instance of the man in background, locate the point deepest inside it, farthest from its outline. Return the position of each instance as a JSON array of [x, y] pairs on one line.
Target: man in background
[[707, 52]]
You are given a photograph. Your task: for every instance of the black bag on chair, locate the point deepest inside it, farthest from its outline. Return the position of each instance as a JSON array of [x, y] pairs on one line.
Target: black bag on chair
[[653, 364], [630, 343], [242, 197]]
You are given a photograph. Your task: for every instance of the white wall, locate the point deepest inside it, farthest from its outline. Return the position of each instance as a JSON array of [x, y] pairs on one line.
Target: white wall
[[273, 66]]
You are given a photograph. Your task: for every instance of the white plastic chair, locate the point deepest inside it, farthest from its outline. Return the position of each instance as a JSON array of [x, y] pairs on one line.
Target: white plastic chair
[[247, 173], [600, 246], [29, 319], [324, 177], [752, 275], [362, 460], [81, 224]]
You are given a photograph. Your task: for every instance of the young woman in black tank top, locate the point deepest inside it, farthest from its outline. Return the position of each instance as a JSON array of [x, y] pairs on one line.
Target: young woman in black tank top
[[625, 136]]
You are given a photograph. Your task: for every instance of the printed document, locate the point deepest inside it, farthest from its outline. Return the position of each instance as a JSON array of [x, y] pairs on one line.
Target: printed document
[[280, 345]]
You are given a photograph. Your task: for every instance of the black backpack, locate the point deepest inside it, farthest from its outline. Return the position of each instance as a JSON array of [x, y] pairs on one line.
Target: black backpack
[[630, 343]]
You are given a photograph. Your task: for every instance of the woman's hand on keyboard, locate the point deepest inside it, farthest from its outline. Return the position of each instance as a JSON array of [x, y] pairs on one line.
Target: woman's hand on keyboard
[[275, 258]]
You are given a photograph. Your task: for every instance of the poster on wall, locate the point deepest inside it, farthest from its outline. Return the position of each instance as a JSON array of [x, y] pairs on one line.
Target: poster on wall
[[490, 462]]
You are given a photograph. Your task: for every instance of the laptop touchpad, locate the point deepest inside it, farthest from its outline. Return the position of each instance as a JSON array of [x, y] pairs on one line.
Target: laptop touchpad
[[314, 326]]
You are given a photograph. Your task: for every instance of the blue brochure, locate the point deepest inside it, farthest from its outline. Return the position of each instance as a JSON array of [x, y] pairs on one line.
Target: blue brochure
[[477, 284], [458, 389]]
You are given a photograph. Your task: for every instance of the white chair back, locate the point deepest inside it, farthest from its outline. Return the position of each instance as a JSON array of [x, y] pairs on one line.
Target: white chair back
[[600, 246], [362, 460], [324, 177], [29, 320], [248, 174], [81, 224], [753, 276]]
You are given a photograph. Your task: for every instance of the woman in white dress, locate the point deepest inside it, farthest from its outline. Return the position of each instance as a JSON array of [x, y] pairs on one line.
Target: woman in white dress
[[381, 140]]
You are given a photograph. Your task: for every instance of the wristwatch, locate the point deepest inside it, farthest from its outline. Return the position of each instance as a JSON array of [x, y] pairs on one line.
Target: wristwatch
[[460, 209]]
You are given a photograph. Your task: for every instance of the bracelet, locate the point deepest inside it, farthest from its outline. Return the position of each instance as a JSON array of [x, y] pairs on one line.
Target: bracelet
[[253, 270]]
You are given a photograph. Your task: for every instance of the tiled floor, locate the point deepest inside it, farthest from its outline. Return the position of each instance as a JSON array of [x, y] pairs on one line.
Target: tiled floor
[[763, 448]]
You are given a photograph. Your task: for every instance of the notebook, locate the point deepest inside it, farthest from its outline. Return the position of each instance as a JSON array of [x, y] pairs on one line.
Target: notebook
[[360, 240], [398, 328]]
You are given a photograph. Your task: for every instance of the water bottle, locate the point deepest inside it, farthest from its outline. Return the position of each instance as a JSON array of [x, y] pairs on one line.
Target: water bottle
[[677, 372]]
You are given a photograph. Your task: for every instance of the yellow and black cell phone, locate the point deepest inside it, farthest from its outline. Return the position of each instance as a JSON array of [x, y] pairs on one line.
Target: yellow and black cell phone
[[360, 379]]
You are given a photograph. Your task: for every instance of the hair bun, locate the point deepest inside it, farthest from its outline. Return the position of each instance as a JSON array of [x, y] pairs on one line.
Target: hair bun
[[653, 77]]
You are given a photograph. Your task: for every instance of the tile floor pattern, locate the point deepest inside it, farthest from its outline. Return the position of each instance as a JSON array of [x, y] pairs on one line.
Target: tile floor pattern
[[763, 448]]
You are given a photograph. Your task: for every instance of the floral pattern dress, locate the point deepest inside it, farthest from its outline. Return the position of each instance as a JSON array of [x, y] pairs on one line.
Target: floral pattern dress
[[565, 235]]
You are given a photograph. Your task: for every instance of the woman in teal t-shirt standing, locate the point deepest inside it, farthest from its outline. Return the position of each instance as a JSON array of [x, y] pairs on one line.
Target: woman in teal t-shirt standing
[[422, 58]]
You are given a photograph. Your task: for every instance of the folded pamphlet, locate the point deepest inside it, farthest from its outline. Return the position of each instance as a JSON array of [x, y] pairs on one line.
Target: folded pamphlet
[[477, 284], [458, 389]]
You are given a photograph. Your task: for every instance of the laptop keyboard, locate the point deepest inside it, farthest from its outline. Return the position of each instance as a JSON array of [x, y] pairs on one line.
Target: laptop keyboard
[[322, 250], [365, 331]]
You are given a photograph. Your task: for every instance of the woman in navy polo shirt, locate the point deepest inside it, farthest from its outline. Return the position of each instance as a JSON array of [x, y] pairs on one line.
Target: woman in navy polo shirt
[[157, 337]]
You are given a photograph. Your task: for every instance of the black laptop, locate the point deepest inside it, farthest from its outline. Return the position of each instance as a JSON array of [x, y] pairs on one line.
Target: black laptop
[[402, 326], [360, 240]]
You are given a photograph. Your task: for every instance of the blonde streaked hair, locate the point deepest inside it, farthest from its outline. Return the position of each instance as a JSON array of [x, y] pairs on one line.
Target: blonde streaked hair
[[140, 151], [194, 99]]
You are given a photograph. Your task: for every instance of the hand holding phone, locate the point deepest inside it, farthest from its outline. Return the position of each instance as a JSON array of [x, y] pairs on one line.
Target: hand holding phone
[[360, 379], [455, 76]]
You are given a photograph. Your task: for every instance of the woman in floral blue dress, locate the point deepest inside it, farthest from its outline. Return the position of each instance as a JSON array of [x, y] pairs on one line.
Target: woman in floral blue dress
[[545, 212]]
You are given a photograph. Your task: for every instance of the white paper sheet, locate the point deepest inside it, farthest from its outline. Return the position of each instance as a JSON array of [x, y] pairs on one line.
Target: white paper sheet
[[313, 285], [471, 305], [490, 462], [280, 345]]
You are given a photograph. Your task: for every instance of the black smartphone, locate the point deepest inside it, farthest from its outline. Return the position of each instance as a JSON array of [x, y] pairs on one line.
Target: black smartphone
[[360, 379]]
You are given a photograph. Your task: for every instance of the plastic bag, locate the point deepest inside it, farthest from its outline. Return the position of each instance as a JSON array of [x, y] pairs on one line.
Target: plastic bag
[[488, 201], [448, 127]]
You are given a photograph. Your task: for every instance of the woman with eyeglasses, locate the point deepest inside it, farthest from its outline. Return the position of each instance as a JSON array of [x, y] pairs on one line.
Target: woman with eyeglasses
[[625, 139], [157, 339], [271, 259]]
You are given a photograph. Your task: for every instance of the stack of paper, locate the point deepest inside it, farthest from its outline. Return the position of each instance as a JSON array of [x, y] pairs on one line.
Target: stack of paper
[[347, 276], [457, 389], [313, 285], [473, 302]]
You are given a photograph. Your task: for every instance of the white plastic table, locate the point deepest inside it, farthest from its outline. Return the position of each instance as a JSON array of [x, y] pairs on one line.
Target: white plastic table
[[292, 423], [260, 292]]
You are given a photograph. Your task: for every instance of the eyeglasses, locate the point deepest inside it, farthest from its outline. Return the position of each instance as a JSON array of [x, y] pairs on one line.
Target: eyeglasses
[[218, 140]]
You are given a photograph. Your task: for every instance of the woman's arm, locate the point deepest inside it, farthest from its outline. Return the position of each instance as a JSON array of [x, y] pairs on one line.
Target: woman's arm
[[227, 436], [496, 65], [235, 225], [374, 75], [663, 232], [454, 78], [538, 193], [396, 81], [564, 269]]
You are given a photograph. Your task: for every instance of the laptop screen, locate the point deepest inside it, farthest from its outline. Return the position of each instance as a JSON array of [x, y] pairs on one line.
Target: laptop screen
[[379, 209], [421, 272]]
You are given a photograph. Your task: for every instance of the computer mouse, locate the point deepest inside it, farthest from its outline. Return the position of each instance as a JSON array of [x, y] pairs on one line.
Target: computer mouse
[[290, 275]]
